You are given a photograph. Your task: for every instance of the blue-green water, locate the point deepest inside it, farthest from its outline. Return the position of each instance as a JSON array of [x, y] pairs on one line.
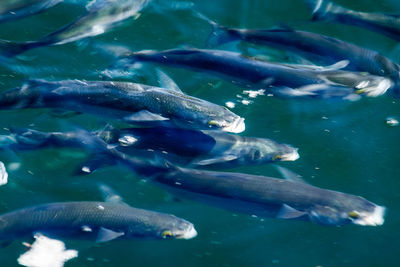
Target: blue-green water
[[344, 146]]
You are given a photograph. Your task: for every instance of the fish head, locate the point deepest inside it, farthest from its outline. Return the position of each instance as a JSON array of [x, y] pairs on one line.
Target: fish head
[[201, 114], [356, 210], [265, 150], [181, 230]]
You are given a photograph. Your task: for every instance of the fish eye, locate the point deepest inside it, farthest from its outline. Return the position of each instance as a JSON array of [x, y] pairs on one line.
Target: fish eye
[[213, 123], [354, 214], [166, 234]]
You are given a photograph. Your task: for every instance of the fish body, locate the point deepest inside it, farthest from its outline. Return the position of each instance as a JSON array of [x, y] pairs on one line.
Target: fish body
[[101, 16], [279, 79], [387, 24], [275, 197], [319, 48], [16, 9], [97, 221], [185, 146], [130, 102]]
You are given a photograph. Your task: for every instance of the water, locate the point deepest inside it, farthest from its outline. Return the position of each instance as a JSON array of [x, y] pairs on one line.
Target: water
[[344, 146]]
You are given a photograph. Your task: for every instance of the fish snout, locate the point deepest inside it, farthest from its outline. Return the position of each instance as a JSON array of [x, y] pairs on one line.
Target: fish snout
[[374, 218], [188, 233], [237, 126]]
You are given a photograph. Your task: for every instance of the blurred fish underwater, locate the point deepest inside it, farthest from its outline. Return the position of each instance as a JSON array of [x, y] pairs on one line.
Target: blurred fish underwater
[[185, 108]]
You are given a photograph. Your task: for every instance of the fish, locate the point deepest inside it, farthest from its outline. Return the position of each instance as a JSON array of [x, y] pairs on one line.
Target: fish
[[100, 17], [197, 149], [320, 49], [94, 221], [386, 24], [16, 9], [264, 196], [279, 79], [130, 102]]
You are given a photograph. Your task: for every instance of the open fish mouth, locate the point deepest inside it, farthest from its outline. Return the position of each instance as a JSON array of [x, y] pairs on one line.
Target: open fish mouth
[[375, 218], [237, 126], [187, 234]]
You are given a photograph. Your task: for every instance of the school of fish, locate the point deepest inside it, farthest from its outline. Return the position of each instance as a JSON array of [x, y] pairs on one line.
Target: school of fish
[[182, 143]]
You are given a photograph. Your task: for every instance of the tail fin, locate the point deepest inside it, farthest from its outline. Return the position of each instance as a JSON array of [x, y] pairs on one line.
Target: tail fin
[[12, 49], [219, 35], [322, 9], [30, 138]]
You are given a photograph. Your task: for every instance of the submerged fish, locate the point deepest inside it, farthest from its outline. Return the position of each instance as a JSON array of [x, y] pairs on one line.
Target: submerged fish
[[279, 79], [100, 17], [259, 195], [16, 9], [387, 24], [97, 221], [183, 146], [316, 47], [131, 102]]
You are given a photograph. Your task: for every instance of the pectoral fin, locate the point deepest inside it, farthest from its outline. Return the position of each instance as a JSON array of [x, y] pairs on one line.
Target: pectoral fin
[[143, 116], [107, 235], [287, 212]]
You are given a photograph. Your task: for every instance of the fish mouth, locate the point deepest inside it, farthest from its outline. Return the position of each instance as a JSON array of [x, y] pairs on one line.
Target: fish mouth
[[187, 234], [292, 156], [374, 89], [375, 218], [237, 126]]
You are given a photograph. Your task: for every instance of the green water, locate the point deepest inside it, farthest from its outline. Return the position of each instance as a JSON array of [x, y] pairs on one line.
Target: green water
[[344, 146]]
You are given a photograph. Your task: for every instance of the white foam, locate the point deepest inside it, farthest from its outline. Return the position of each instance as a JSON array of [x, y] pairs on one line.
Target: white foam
[[3, 174], [46, 252]]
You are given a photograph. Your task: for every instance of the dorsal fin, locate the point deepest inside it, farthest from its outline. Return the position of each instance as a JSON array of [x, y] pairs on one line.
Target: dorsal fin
[[109, 195], [166, 82], [289, 175]]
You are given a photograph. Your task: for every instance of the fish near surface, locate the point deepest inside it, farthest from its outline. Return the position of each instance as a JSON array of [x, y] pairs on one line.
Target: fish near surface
[[200, 149], [96, 221], [259, 195], [387, 24], [16, 9], [101, 16], [130, 102], [318, 48], [279, 79]]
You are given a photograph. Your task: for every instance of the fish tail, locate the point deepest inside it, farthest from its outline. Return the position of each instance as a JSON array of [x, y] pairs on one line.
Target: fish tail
[[323, 10], [29, 137], [29, 95], [219, 34], [11, 49]]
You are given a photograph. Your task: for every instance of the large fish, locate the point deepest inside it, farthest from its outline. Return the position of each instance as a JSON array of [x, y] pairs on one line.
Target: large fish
[[183, 146], [16, 9], [260, 195], [130, 102], [100, 17], [97, 221], [279, 79], [387, 24], [318, 48]]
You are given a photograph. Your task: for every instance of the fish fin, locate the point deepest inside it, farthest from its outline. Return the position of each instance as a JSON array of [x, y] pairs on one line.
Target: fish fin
[[219, 34], [61, 113], [224, 158], [109, 195], [96, 162], [166, 82], [144, 115], [320, 90], [289, 175], [12, 49], [30, 137], [310, 66], [287, 212], [105, 235], [322, 9]]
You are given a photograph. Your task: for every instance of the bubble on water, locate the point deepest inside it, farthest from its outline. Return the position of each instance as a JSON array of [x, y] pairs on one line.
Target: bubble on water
[[230, 104], [391, 121]]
